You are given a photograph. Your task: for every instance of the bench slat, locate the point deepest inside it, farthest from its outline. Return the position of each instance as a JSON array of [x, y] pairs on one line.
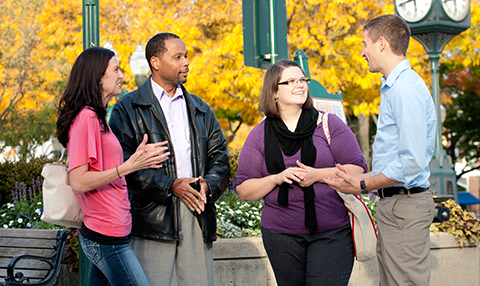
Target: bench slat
[[28, 233], [27, 242], [7, 252]]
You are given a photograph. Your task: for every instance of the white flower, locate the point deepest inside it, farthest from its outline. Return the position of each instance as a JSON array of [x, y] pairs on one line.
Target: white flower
[[39, 203], [5, 226], [20, 220], [38, 211], [29, 225], [4, 214], [10, 223], [10, 205]]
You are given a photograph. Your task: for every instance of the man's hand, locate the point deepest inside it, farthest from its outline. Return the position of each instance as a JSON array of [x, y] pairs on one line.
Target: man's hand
[[204, 188], [193, 199], [348, 181]]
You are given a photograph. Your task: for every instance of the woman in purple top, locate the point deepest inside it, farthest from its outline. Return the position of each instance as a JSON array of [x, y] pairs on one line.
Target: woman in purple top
[[305, 225]]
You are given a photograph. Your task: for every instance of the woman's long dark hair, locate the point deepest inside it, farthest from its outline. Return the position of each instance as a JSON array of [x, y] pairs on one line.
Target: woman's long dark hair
[[83, 89]]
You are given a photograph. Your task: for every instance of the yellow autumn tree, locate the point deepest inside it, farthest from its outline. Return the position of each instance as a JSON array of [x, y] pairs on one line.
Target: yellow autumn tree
[[329, 32]]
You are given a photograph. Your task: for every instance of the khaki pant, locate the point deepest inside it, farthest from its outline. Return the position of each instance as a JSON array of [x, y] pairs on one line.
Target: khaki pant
[[403, 247], [188, 262]]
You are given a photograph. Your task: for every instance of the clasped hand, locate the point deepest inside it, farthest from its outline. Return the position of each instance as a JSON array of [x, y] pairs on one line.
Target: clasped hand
[[192, 198]]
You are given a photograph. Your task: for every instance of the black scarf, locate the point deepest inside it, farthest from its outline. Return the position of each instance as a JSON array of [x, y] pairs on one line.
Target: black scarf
[[277, 135]]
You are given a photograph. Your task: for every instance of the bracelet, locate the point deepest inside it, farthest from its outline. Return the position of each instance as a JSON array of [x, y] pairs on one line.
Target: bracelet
[[118, 174]]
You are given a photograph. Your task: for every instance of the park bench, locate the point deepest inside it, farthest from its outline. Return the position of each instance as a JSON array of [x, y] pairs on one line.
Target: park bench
[[31, 256]]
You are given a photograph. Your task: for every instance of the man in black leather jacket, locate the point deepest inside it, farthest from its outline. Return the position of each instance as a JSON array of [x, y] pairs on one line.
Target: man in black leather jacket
[[173, 210]]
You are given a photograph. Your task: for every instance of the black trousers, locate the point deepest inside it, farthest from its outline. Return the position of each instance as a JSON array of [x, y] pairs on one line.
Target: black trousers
[[324, 258]]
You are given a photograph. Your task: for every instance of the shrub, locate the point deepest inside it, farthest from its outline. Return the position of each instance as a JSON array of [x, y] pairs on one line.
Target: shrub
[[237, 218], [462, 224], [26, 207], [23, 170]]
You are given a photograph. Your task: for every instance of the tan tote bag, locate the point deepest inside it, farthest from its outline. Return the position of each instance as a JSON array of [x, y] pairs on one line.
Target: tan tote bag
[[60, 206], [364, 230]]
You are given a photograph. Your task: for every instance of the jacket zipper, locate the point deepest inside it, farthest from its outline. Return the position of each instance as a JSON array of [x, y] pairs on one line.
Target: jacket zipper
[[200, 162], [177, 201]]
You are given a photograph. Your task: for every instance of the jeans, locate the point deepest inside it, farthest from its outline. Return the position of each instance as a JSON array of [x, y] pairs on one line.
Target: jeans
[[112, 264], [324, 258]]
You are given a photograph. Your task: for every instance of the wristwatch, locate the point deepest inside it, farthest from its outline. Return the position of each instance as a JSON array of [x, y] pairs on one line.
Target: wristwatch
[[364, 190]]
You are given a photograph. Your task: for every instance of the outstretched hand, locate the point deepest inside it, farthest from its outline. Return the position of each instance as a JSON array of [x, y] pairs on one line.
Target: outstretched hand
[[147, 156], [347, 181]]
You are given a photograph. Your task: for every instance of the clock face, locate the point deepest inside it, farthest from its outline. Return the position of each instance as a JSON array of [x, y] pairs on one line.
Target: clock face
[[456, 10], [413, 10]]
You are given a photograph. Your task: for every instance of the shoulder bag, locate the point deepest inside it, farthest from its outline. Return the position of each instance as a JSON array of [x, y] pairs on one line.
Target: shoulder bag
[[60, 206], [363, 226]]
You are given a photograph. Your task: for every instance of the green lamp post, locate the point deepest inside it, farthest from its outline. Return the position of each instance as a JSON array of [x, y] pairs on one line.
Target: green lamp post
[[434, 23], [91, 24], [264, 32], [91, 35]]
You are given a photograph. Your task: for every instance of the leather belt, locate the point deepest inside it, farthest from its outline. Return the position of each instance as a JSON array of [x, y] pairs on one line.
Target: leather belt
[[388, 192]]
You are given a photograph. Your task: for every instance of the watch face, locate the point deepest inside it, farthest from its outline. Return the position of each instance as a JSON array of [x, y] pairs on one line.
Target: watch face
[[456, 10], [413, 10]]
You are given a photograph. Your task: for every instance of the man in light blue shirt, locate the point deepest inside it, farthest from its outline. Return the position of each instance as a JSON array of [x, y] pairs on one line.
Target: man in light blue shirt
[[403, 147]]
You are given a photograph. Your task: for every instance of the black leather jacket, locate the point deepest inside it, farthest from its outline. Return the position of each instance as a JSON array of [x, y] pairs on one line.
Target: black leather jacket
[[155, 211]]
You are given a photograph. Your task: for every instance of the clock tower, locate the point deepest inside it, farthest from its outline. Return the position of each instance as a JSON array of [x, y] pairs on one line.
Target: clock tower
[[434, 23]]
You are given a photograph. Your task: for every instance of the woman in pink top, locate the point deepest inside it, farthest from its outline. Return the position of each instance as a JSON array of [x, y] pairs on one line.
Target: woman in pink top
[[96, 168]]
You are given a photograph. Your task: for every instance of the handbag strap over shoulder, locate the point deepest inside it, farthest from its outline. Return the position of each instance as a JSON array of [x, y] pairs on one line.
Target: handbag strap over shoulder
[[325, 126], [61, 157]]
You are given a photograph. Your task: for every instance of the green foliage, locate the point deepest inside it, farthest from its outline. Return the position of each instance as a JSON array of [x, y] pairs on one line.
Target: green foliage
[[461, 87], [26, 208], [28, 129], [237, 218], [371, 201], [70, 256], [23, 170], [462, 224], [234, 154]]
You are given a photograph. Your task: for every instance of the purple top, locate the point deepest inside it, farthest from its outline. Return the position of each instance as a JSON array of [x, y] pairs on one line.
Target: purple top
[[330, 210]]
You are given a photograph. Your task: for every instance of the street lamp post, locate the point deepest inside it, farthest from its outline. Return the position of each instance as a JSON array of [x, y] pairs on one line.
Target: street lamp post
[[109, 45], [139, 65], [91, 24]]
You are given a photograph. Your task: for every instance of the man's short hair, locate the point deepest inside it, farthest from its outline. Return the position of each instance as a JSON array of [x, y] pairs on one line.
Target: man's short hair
[[156, 46], [394, 29]]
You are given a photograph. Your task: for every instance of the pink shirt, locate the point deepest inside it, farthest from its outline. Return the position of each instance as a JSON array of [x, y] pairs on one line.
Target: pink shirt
[[106, 209]]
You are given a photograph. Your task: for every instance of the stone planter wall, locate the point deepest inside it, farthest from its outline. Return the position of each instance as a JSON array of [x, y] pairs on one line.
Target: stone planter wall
[[243, 261]]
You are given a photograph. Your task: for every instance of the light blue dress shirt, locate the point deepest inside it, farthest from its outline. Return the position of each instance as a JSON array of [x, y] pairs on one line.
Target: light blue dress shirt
[[175, 112], [406, 127]]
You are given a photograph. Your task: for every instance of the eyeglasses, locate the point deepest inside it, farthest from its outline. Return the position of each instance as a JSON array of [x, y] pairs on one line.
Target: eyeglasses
[[293, 81]]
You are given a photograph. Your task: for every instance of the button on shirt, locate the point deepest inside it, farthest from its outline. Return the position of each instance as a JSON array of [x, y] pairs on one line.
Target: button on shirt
[[405, 140], [175, 112]]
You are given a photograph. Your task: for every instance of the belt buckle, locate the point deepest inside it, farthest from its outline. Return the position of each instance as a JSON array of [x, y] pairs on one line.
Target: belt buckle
[[404, 191], [380, 193]]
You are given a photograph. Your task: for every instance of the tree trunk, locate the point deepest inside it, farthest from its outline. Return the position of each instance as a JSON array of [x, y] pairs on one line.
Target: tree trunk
[[363, 136]]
